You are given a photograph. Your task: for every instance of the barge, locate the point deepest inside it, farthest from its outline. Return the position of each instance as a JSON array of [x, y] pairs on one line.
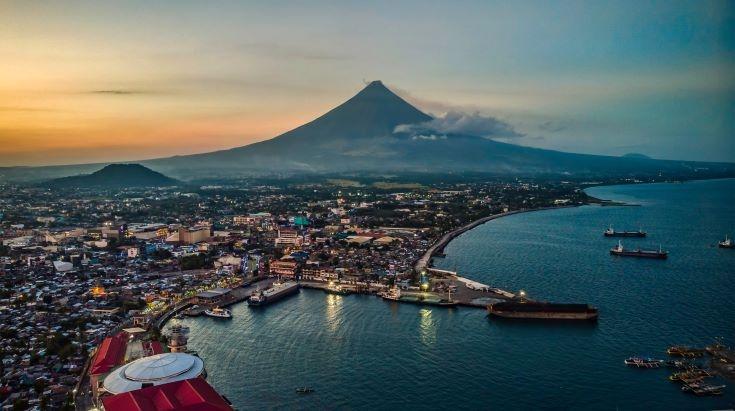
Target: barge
[[277, 292], [542, 311]]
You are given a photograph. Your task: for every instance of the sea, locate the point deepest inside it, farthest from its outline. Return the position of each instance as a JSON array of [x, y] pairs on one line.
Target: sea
[[360, 352]]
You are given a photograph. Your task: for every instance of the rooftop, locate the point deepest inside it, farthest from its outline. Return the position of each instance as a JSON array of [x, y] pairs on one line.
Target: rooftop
[[187, 395]]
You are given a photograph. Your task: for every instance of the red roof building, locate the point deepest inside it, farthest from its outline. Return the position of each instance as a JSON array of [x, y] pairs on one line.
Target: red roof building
[[109, 355], [193, 394]]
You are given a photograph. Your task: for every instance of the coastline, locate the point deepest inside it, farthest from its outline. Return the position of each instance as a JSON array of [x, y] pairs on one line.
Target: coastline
[[425, 260]]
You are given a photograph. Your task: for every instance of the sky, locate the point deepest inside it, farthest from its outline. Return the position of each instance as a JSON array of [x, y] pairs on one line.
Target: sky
[[90, 81]]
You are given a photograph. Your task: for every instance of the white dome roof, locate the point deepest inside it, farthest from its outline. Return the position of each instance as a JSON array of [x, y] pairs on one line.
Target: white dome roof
[[156, 369]]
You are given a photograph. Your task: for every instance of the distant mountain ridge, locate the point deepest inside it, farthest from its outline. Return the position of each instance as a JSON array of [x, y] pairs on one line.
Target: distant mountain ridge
[[359, 136], [117, 176]]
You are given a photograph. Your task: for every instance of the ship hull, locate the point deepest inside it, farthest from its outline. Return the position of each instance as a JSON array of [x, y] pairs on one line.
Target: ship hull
[[275, 297], [543, 311], [651, 255], [625, 234]]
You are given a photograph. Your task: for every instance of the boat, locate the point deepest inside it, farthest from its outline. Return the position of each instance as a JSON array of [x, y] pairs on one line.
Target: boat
[[679, 365], [726, 243], [276, 292], [684, 351], [394, 294], [690, 375], [218, 313], [179, 329], [524, 309], [336, 289], [643, 362], [715, 348], [658, 254], [612, 233], [698, 388], [304, 390]]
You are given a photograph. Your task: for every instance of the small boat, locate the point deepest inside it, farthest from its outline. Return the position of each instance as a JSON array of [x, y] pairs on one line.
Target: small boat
[[679, 364], [701, 389], [620, 251], [683, 351], [304, 390], [726, 243], [336, 289], [218, 313], [691, 375], [715, 347], [643, 362], [612, 233]]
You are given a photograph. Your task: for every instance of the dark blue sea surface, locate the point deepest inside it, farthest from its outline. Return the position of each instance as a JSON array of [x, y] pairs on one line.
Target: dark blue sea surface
[[359, 352]]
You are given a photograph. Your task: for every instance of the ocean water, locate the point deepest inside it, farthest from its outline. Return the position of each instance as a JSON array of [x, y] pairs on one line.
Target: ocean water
[[359, 352]]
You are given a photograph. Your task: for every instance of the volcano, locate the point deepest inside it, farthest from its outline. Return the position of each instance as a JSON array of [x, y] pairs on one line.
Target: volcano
[[360, 136]]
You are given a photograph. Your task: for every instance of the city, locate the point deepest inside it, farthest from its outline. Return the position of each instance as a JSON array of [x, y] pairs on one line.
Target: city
[[314, 205]]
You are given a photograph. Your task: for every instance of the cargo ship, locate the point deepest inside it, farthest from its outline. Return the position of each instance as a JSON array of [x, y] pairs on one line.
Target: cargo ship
[[277, 292], [658, 254], [524, 309], [612, 233], [394, 294]]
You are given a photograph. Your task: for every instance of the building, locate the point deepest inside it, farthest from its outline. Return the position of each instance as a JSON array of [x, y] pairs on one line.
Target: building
[[186, 395], [213, 296], [110, 354], [287, 236], [284, 268], [152, 371], [194, 235]]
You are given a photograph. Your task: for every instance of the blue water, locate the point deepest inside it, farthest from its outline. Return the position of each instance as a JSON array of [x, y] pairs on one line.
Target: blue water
[[359, 352]]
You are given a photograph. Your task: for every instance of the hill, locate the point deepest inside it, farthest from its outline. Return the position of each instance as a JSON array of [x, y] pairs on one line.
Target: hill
[[116, 176]]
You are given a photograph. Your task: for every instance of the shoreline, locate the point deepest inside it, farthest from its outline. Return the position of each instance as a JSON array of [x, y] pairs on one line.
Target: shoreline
[[425, 261]]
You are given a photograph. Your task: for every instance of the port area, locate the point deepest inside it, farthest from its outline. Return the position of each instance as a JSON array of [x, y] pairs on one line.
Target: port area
[[237, 295], [465, 292]]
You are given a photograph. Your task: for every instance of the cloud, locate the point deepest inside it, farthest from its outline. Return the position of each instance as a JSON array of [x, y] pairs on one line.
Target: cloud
[[118, 92], [455, 122], [430, 137]]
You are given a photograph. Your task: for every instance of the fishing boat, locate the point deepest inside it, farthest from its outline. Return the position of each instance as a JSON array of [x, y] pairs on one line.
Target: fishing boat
[[679, 364], [620, 251], [701, 389], [693, 374], [726, 243], [218, 313], [684, 351], [612, 233], [643, 362]]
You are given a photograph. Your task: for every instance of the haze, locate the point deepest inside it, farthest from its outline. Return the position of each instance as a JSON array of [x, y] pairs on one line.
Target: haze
[[86, 82]]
